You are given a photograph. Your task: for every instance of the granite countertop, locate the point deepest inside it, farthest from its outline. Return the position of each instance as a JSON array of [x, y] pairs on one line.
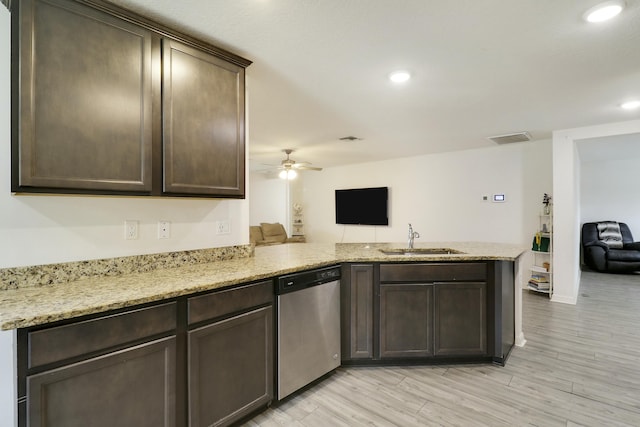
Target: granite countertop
[[37, 305]]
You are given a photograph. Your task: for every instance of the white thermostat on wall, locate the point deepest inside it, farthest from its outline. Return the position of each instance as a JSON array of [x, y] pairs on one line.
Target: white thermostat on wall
[[499, 198]]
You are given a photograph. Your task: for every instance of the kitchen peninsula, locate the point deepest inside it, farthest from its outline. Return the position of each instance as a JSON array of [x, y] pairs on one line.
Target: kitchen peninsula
[[179, 307], [40, 303]]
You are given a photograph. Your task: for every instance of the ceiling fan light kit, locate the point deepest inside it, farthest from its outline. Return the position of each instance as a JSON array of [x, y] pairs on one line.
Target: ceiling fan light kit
[[289, 167], [288, 174]]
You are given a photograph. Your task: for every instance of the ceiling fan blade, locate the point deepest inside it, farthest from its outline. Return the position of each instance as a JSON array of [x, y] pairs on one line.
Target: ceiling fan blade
[[302, 165], [309, 168]]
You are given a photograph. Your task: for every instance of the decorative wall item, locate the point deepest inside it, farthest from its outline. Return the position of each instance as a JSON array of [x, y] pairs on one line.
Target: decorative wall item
[[546, 201], [297, 223]]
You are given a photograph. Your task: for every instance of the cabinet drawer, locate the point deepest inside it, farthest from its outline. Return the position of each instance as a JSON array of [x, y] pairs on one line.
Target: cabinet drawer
[[445, 272], [67, 341], [217, 304]]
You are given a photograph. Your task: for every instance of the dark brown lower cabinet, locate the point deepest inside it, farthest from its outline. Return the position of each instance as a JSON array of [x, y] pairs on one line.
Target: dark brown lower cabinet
[[356, 300], [201, 360], [134, 387], [423, 311], [229, 353], [230, 368], [460, 326], [425, 320], [406, 320]]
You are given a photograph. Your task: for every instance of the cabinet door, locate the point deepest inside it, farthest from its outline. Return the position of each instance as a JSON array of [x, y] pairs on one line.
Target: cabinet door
[[135, 387], [84, 104], [358, 312], [230, 368], [203, 123], [460, 319], [406, 320]]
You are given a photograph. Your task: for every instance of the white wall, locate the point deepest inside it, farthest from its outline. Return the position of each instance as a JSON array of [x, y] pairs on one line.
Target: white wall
[[268, 199], [441, 195], [609, 190], [49, 229]]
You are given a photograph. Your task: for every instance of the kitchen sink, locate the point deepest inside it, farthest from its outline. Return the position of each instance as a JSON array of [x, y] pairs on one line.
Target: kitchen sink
[[420, 251]]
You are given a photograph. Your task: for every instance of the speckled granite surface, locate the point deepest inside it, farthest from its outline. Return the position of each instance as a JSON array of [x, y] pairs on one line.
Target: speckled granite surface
[[51, 274], [36, 305]]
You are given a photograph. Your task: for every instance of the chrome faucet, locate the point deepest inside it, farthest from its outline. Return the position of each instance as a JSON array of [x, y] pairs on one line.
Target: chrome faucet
[[412, 235]]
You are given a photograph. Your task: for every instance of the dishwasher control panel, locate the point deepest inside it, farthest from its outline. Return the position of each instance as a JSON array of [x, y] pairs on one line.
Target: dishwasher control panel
[[305, 279]]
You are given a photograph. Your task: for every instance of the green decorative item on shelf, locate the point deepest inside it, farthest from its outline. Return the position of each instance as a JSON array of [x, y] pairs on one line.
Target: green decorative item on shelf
[[540, 243]]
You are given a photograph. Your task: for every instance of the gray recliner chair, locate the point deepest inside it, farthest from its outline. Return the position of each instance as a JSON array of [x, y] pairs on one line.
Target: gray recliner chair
[[605, 252]]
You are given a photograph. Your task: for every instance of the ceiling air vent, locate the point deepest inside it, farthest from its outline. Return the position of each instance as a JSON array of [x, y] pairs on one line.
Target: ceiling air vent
[[510, 138]]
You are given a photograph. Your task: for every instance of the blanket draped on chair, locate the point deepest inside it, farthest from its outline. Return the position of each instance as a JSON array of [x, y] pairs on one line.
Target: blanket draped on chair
[[609, 233]]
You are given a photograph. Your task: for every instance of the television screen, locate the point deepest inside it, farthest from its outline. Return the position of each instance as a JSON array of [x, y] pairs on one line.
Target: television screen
[[365, 206]]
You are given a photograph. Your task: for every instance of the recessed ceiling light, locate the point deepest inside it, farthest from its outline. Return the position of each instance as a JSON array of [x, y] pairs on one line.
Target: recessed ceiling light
[[630, 105], [399, 76], [604, 11]]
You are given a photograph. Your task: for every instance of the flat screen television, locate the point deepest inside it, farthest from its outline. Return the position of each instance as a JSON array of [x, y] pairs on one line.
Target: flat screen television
[[363, 206]]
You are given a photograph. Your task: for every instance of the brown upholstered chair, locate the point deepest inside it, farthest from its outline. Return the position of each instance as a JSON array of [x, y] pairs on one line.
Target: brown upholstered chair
[[271, 234]]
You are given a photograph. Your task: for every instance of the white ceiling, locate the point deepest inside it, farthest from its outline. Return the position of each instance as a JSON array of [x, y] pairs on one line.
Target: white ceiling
[[480, 68]]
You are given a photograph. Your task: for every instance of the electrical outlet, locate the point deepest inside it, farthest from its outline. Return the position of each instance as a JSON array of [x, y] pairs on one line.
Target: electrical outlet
[[130, 229], [223, 227], [164, 229]]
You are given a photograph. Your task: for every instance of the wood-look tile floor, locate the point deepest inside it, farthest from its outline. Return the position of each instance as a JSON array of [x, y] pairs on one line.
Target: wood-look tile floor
[[580, 367]]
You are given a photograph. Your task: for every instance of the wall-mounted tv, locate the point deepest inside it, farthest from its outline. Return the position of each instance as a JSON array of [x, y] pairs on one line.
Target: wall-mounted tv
[[364, 206]]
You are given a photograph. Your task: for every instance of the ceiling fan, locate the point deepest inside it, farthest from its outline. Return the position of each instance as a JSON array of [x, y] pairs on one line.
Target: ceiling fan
[[288, 166]]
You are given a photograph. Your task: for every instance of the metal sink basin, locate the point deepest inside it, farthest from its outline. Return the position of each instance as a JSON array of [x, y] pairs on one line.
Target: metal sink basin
[[420, 251]]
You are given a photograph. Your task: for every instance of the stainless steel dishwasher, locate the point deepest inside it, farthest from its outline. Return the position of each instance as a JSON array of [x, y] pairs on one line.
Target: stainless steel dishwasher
[[308, 327]]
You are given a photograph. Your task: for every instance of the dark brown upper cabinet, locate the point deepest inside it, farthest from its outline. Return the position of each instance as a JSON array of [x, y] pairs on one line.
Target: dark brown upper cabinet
[[85, 100], [203, 122], [95, 110]]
